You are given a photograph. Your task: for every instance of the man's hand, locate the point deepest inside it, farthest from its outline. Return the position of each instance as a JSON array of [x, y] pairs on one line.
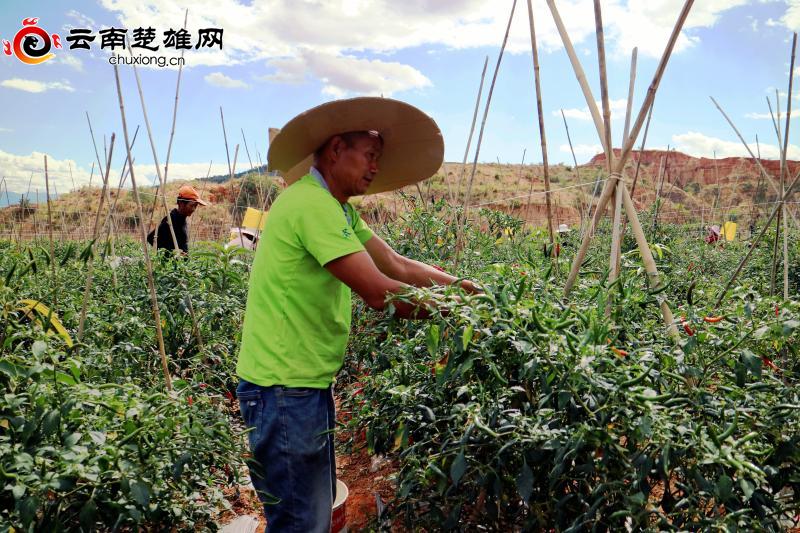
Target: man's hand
[[359, 272], [408, 270]]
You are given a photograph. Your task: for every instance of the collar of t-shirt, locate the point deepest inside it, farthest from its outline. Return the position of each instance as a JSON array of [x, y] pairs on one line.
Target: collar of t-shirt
[[318, 176]]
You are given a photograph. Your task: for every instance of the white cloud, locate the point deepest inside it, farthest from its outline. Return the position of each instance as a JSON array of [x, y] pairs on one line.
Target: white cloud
[[283, 33], [33, 86], [5, 130], [221, 80], [146, 173], [762, 116], [618, 108], [19, 169], [69, 60], [700, 145], [344, 74], [81, 20], [582, 151]]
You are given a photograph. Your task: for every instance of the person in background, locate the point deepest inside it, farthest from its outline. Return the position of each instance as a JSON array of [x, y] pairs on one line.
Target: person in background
[[315, 249], [713, 234], [243, 238], [188, 200]]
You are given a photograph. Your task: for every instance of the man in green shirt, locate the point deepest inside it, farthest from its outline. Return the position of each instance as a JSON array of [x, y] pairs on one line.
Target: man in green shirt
[[315, 250]]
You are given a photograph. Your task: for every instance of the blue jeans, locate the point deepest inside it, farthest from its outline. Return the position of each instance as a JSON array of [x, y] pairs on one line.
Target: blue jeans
[[293, 466]]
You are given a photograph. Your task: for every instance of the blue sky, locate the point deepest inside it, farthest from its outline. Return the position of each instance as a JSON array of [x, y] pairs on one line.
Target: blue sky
[[279, 58]]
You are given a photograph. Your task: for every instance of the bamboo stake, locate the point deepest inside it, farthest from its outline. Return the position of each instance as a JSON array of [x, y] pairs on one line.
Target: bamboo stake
[[161, 177], [90, 265], [471, 130], [639, 159], [784, 155], [480, 139], [616, 253], [578, 69], [744, 260], [148, 265], [776, 124], [543, 138], [609, 148], [169, 146], [627, 146], [584, 208], [761, 168], [104, 190], [50, 235]]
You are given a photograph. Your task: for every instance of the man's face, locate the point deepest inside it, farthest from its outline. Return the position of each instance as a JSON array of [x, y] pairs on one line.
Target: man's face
[[357, 165], [187, 208]]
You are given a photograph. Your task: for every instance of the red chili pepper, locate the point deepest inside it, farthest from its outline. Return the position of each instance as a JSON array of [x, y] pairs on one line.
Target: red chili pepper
[[686, 327], [777, 310], [713, 319], [229, 395], [203, 385], [190, 400], [766, 360], [621, 353]]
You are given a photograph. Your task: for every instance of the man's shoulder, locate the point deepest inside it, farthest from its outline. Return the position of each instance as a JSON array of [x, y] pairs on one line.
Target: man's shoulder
[[304, 195]]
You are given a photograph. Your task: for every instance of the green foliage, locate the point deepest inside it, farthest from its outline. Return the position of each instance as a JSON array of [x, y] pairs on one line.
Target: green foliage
[[89, 438]]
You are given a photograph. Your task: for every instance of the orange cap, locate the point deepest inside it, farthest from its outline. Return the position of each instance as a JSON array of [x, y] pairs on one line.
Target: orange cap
[[187, 192]]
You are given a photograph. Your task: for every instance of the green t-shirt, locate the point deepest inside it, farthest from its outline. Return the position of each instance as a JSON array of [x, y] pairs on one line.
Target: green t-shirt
[[297, 320]]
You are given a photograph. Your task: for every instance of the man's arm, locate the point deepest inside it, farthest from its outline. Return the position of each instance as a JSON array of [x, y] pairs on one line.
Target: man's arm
[[407, 270], [358, 271]]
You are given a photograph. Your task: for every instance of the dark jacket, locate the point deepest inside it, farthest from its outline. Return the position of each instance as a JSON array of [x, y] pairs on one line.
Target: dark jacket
[[165, 237]]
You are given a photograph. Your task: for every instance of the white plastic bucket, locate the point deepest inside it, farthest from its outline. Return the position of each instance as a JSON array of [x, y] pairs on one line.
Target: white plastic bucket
[[339, 517]]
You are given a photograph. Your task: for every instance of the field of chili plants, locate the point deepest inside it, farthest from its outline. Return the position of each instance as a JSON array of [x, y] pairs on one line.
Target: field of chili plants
[[511, 409], [89, 436], [519, 409]]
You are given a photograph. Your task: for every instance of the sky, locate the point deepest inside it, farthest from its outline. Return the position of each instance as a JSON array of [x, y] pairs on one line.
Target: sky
[[278, 58]]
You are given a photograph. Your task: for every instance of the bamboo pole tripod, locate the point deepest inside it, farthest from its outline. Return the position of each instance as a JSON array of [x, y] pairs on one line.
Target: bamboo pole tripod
[[615, 179]]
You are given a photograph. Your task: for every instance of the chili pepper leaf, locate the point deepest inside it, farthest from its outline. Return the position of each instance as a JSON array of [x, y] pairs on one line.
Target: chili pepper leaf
[[88, 515], [140, 492], [458, 468], [747, 487], [466, 337], [432, 340], [724, 488], [525, 482]]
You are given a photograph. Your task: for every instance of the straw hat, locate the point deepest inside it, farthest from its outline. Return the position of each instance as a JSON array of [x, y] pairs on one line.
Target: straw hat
[[413, 149]]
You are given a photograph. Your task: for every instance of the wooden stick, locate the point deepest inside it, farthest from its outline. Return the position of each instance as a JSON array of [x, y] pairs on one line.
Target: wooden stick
[[150, 280], [161, 177], [105, 178], [50, 235], [90, 265], [543, 138], [784, 155], [639, 159], [587, 203], [649, 263], [471, 130], [626, 148], [644, 249], [753, 246], [578, 69], [460, 236], [617, 251], [609, 148]]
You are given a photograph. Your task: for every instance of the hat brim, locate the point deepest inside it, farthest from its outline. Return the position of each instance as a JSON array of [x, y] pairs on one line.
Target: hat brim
[[413, 148], [198, 200]]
